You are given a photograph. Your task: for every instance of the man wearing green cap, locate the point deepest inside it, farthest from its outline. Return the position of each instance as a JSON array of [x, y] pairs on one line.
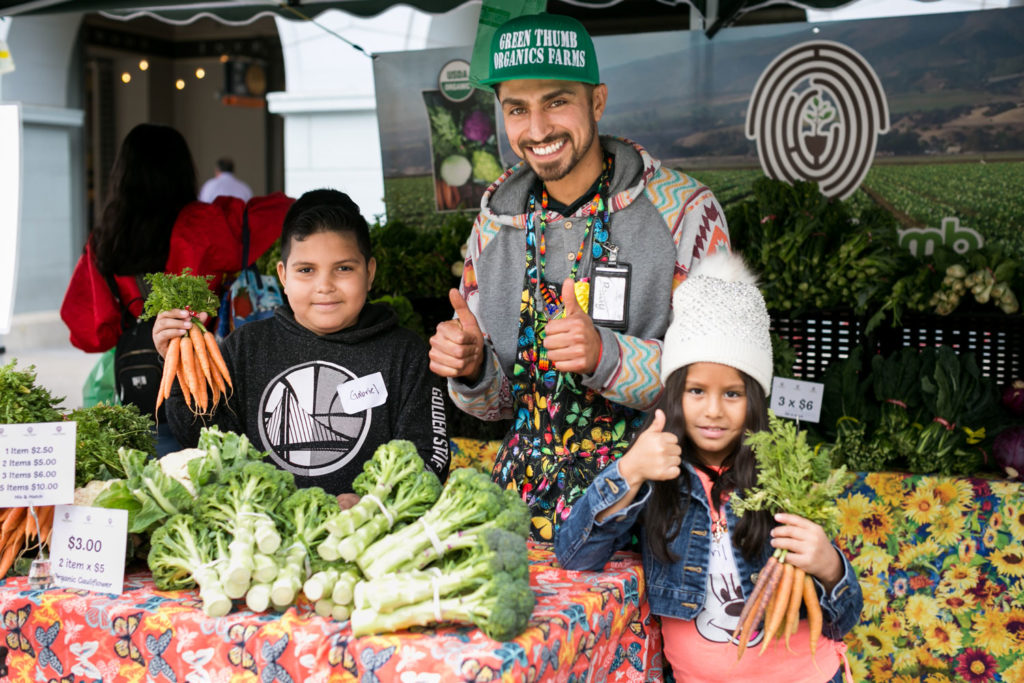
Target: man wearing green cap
[[568, 280]]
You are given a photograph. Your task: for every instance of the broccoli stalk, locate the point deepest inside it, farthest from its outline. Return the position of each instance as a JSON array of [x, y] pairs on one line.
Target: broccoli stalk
[[468, 499], [264, 568], [494, 552], [182, 553], [409, 500], [233, 507], [335, 583], [395, 486], [500, 607], [304, 513], [514, 517], [257, 598]]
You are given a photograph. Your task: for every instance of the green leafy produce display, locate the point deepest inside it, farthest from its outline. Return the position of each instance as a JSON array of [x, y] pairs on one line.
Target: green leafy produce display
[[101, 431], [487, 585], [22, 400], [925, 411], [415, 261], [816, 253], [813, 252], [250, 533], [154, 490]]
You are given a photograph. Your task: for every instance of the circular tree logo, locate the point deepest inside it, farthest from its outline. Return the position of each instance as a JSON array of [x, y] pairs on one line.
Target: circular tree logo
[[453, 81], [302, 424], [816, 113]]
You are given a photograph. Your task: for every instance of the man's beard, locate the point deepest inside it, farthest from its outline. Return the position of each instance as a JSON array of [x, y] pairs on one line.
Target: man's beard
[[556, 170]]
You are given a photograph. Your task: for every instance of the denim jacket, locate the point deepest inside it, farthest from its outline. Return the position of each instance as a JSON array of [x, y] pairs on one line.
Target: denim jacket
[[677, 589]]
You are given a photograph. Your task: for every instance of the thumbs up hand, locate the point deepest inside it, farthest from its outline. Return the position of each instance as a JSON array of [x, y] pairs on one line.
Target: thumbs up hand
[[572, 342], [654, 456], [457, 347]]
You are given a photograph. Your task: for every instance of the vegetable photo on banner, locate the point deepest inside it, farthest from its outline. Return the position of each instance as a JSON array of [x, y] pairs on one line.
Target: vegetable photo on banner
[[796, 479], [193, 359]]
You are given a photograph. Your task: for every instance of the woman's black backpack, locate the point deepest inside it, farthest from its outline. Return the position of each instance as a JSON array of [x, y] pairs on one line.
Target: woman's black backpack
[[138, 368]]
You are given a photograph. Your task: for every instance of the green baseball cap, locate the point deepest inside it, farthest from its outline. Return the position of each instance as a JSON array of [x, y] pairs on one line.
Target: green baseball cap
[[543, 45]]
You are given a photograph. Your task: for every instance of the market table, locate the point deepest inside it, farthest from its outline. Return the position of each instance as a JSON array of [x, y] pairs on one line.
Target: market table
[[586, 626]]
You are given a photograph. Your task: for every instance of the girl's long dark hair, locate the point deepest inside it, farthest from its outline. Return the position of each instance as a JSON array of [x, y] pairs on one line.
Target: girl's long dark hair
[[152, 180], [669, 499]]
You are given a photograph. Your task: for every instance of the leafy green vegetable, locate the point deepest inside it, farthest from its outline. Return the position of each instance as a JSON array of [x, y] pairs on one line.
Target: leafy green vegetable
[[395, 487], [101, 431], [224, 451], [238, 507], [486, 168], [447, 138], [487, 585], [22, 400], [792, 477], [148, 494], [304, 514], [267, 262], [183, 553], [179, 291], [470, 504]]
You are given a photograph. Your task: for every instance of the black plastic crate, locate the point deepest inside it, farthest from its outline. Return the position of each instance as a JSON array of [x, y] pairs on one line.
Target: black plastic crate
[[820, 338], [997, 339]]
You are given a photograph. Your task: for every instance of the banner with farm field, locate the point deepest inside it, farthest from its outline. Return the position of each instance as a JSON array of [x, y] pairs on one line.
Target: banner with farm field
[[921, 116]]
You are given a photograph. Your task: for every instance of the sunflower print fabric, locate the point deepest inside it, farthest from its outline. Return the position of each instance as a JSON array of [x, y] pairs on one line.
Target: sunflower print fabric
[[585, 626], [941, 565]]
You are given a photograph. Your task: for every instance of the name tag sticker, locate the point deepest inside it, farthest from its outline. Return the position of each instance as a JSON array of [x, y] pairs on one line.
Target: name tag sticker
[[362, 393]]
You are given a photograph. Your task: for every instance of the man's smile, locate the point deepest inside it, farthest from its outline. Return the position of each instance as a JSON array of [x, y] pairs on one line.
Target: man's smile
[[547, 150]]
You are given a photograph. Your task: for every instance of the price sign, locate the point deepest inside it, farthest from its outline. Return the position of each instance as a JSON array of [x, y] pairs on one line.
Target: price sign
[[37, 464], [796, 399], [87, 548]]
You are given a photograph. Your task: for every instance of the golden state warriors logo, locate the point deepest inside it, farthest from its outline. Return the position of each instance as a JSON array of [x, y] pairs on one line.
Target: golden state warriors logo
[[816, 113], [302, 423]]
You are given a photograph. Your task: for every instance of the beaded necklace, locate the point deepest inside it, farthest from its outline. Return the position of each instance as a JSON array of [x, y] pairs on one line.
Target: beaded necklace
[[597, 219]]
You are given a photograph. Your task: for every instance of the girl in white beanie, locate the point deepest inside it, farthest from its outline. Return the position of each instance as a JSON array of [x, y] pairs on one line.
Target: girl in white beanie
[[700, 560]]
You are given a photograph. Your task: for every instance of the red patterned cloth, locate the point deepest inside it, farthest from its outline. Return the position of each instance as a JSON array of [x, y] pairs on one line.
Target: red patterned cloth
[[587, 626]]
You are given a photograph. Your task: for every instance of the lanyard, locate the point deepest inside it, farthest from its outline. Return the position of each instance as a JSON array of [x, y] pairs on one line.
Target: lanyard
[[596, 230]]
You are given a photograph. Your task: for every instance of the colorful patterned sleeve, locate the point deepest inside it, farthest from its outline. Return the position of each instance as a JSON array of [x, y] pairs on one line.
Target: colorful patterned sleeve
[[491, 397], [698, 228]]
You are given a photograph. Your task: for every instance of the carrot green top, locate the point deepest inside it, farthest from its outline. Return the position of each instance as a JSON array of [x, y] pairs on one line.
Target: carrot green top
[[169, 291]]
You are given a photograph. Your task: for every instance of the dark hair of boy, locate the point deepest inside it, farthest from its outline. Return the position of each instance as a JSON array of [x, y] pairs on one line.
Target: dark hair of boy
[[669, 499], [225, 165], [324, 210]]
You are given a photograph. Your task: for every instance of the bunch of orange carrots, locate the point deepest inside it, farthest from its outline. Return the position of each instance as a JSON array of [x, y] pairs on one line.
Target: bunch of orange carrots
[[18, 530], [780, 590], [196, 362]]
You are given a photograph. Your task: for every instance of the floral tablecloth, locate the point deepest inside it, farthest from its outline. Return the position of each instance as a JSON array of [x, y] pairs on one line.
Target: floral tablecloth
[[941, 564], [587, 626]]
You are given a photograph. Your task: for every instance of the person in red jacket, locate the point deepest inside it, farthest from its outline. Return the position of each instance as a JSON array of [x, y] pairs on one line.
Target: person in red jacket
[[152, 222]]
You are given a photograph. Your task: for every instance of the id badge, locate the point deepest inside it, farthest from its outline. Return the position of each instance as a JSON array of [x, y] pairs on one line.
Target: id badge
[[609, 295]]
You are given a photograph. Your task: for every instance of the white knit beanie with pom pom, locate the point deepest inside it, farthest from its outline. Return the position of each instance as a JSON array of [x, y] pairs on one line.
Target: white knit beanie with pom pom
[[719, 316]]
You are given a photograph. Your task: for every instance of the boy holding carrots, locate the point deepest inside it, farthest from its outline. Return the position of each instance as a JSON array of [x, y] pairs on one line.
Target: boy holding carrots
[[329, 377]]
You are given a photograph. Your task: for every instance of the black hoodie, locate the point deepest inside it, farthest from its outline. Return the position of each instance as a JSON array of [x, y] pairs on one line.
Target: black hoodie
[[286, 397]]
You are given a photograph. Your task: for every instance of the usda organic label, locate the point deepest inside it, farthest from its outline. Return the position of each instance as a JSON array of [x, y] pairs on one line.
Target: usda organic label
[[453, 81], [37, 464]]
